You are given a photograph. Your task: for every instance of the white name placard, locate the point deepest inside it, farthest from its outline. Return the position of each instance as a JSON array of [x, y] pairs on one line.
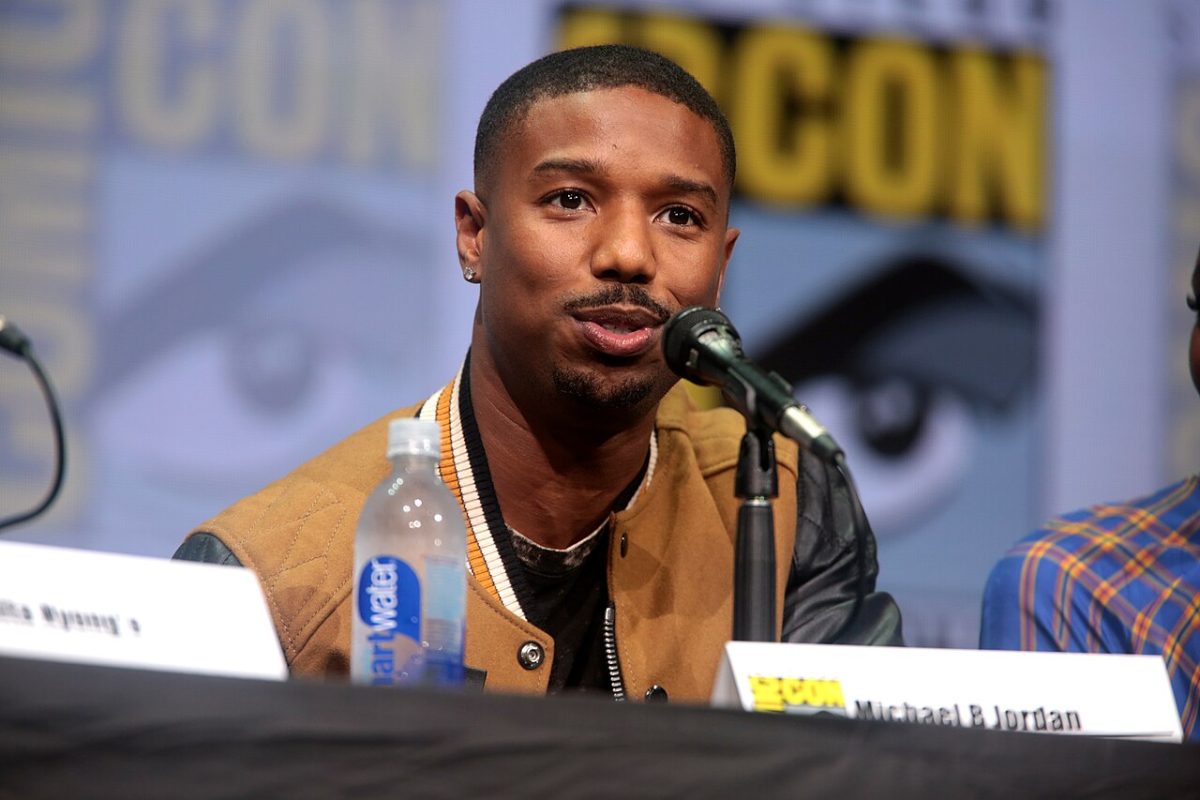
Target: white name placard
[[1086, 694], [64, 604]]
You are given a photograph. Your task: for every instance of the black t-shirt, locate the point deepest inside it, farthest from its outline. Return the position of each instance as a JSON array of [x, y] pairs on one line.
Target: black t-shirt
[[568, 593]]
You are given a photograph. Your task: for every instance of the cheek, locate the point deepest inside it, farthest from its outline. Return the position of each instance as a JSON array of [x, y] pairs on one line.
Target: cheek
[[697, 284], [532, 255]]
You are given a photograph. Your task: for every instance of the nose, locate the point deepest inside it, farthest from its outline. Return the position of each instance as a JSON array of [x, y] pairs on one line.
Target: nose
[[623, 250]]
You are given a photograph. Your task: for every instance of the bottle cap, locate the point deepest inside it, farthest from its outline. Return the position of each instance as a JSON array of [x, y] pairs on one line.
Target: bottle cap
[[412, 436]]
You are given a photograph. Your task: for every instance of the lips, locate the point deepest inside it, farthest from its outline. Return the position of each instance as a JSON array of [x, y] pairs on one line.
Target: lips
[[619, 332]]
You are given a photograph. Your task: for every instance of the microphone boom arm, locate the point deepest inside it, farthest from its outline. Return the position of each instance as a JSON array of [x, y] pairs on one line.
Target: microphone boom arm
[[17, 343]]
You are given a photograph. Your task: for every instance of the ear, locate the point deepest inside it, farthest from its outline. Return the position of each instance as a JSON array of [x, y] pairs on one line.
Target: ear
[[731, 237], [470, 216]]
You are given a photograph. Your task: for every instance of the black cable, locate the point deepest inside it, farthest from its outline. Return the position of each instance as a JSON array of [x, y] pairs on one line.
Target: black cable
[[14, 341], [862, 532]]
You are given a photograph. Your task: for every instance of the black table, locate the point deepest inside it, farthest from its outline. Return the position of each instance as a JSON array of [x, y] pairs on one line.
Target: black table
[[70, 730]]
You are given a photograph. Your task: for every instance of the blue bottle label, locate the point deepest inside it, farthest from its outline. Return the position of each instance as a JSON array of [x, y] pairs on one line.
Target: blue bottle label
[[445, 608], [389, 604], [444, 583]]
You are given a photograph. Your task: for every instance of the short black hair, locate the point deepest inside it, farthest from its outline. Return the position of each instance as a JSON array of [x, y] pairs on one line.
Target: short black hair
[[582, 69]]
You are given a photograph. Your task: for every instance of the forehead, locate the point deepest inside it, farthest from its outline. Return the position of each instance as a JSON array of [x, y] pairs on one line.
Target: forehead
[[622, 125]]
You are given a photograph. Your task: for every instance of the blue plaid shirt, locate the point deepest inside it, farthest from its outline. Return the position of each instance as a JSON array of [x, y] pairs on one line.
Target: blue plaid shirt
[[1120, 578]]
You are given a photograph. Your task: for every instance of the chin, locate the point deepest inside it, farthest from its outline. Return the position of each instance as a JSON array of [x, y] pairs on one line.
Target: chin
[[607, 393]]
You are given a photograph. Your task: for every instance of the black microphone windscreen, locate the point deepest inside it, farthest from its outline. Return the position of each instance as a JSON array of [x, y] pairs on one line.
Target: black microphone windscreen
[[12, 339], [681, 336]]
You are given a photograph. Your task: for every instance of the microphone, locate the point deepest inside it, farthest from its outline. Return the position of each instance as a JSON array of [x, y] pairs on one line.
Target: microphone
[[12, 339], [702, 345], [18, 344]]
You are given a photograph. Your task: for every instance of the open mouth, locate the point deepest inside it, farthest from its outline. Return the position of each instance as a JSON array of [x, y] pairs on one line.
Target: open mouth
[[619, 332]]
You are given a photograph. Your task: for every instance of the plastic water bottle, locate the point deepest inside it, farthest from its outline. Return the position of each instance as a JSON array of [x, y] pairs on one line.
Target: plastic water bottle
[[409, 570]]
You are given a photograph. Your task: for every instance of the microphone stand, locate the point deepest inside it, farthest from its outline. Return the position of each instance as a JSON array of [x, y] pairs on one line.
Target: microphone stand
[[756, 483], [702, 345]]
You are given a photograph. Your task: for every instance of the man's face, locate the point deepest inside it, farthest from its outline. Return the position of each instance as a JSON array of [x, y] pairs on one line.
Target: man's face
[[606, 214]]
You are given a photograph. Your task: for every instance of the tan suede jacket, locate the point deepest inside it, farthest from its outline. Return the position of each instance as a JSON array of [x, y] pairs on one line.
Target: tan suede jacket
[[670, 561]]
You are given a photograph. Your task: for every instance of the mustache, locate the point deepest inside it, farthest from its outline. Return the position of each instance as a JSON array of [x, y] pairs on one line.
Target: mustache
[[619, 293]]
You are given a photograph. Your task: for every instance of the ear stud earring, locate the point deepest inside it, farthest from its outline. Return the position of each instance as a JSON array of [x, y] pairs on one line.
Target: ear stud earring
[[469, 274]]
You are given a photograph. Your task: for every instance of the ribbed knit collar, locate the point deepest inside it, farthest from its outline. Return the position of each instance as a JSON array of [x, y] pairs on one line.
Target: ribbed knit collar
[[464, 469]]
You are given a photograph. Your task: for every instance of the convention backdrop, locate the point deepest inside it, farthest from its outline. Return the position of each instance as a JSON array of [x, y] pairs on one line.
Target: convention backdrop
[[227, 228]]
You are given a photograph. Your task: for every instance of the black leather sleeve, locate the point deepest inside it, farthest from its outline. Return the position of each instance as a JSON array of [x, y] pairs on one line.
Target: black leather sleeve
[[824, 578], [203, 546]]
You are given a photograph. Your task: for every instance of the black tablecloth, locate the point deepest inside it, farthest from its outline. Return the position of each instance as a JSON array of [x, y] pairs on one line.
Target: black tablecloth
[[82, 731]]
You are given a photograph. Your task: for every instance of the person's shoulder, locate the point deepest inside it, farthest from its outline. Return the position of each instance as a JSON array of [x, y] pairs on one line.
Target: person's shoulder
[[357, 461], [691, 410], [1075, 538], [329, 484], [1156, 514], [713, 432]]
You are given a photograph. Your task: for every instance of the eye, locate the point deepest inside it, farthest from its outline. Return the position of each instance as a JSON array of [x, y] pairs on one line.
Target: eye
[[1192, 304], [681, 215], [568, 199]]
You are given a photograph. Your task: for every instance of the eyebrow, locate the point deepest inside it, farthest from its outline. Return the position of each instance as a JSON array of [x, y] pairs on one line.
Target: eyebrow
[[578, 166], [688, 186], [590, 167]]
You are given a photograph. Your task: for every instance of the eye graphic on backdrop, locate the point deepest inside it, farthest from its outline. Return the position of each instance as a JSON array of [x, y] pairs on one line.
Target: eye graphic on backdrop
[[203, 413], [890, 415], [264, 349], [273, 366], [903, 368], [908, 445]]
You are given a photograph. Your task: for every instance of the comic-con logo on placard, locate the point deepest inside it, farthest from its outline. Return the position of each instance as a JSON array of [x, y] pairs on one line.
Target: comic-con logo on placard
[[797, 695]]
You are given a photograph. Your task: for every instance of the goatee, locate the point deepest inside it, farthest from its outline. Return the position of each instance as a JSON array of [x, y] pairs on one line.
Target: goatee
[[587, 389]]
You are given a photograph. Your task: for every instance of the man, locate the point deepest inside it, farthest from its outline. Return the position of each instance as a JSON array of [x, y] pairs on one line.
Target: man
[[601, 543], [1114, 578]]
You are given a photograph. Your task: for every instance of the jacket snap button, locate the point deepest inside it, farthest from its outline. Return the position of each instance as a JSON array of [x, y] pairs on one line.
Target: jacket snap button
[[531, 655], [656, 694]]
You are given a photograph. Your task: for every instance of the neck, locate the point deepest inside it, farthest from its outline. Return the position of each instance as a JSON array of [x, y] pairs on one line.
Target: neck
[[557, 475]]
